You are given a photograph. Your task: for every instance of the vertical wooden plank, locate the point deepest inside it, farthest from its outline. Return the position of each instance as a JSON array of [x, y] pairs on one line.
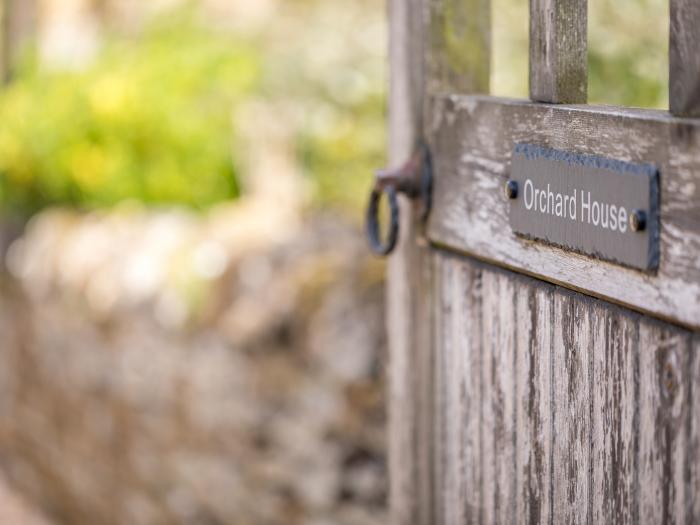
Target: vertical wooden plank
[[684, 58], [467, 324], [614, 431], [446, 442], [601, 405], [693, 492], [459, 57], [458, 477], [571, 408], [663, 405], [408, 288], [456, 55], [487, 410], [498, 396], [559, 51], [533, 344]]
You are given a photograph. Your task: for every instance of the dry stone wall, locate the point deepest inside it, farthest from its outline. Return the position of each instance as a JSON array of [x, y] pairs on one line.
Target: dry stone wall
[[153, 371]]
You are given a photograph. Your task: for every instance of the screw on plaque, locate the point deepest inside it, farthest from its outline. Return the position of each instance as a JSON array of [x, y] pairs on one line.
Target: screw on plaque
[[638, 220], [413, 179], [511, 189]]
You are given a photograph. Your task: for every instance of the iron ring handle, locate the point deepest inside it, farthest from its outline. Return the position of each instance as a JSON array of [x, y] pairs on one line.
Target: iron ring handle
[[373, 233]]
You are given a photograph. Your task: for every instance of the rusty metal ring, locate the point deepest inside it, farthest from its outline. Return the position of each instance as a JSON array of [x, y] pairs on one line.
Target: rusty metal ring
[[373, 234]]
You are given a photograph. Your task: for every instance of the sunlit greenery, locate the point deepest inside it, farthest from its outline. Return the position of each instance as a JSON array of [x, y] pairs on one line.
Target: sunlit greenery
[[149, 120], [155, 117]]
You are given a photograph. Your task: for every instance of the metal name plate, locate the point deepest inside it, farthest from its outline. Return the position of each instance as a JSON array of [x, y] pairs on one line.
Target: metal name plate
[[597, 206]]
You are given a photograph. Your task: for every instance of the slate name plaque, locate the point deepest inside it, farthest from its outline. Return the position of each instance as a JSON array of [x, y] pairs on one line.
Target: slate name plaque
[[594, 205]]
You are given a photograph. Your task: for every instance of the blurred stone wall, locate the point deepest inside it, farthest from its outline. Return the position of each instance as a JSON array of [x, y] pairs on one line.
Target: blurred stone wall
[[162, 367]]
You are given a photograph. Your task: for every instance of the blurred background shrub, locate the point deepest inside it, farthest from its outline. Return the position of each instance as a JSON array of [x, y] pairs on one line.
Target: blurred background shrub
[[153, 115], [149, 119]]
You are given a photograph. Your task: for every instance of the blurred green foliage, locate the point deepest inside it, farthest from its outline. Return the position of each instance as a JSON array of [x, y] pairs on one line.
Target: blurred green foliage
[[156, 116], [150, 119], [628, 52]]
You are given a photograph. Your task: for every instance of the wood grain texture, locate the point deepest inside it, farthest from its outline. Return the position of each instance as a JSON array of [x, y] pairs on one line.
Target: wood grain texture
[[570, 410], [408, 289], [472, 139], [694, 433], [558, 51], [497, 398], [458, 443], [614, 391], [533, 393], [663, 414], [590, 418], [684, 58], [435, 45]]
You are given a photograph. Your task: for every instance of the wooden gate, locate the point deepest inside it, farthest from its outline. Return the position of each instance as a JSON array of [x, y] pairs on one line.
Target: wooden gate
[[531, 383]]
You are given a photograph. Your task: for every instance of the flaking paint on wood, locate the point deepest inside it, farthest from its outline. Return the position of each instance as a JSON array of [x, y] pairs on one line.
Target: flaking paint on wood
[[602, 422], [570, 410], [663, 412], [532, 385], [511, 399], [614, 442], [497, 402], [472, 139], [693, 430]]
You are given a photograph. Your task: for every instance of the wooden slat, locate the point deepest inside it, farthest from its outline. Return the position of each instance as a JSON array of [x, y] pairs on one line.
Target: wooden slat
[[472, 139], [408, 289], [535, 310], [663, 413], [570, 408], [614, 439], [558, 51], [497, 399], [458, 58], [605, 408], [447, 401], [684, 58], [466, 327], [448, 50], [458, 385], [694, 433]]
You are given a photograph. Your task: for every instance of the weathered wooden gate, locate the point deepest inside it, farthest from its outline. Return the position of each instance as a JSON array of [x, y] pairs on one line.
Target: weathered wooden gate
[[529, 382]]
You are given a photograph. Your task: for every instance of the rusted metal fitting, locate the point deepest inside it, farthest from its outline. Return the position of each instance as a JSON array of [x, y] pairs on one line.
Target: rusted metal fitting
[[413, 179], [511, 189]]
